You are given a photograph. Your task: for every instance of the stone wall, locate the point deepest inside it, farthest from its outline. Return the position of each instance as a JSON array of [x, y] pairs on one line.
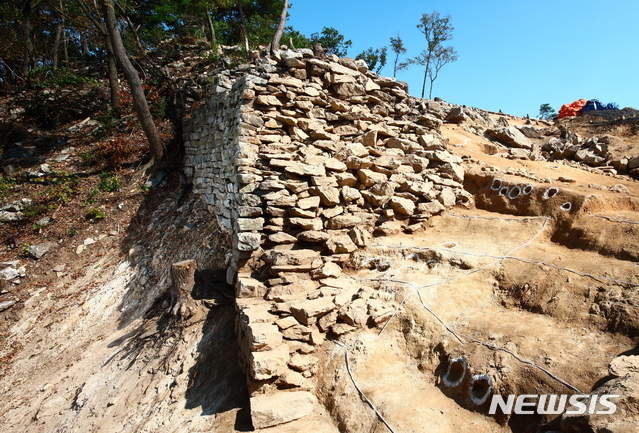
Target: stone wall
[[304, 161]]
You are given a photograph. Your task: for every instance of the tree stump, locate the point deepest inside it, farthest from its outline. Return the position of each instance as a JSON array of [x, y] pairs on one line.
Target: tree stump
[[183, 275]]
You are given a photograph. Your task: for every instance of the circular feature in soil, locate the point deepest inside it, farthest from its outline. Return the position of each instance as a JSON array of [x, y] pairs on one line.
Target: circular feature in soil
[[528, 189], [456, 372], [481, 386], [550, 192], [514, 192]]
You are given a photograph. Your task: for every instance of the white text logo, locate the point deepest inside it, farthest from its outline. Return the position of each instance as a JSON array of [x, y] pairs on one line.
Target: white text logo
[[553, 404]]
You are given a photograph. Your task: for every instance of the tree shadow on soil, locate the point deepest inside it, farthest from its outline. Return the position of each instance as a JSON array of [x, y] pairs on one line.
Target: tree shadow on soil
[[216, 382], [168, 228]]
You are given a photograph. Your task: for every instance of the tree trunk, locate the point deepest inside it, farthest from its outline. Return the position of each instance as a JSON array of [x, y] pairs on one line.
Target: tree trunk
[[211, 29], [25, 34], [112, 64], [56, 45], [243, 28], [65, 46], [138, 42], [183, 274], [424, 83], [112, 74], [426, 71], [85, 44], [139, 99], [280, 28]]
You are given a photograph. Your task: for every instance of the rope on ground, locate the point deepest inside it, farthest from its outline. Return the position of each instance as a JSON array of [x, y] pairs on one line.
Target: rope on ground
[[583, 274], [498, 258], [612, 219], [523, 360], [415, 289], [363, 395]]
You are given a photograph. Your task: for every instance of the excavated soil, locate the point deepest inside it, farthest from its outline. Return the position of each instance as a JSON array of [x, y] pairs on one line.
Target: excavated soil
[[538, 295]]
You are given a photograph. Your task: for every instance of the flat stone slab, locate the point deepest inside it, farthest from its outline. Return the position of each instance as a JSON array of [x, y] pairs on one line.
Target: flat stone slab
[[307, 311], [623, 365], [281, 407]]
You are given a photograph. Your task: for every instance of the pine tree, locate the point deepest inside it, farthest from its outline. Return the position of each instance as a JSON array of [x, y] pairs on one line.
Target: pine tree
[[397, 45], [436, 30]]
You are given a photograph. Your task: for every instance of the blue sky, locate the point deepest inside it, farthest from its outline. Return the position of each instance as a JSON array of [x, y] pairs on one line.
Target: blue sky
[[513, 55]]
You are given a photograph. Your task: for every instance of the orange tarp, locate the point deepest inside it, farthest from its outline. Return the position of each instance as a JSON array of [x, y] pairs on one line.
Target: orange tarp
[[572, 109]]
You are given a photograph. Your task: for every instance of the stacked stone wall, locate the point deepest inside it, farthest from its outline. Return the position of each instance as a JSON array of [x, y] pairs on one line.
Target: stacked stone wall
[[303, 161]]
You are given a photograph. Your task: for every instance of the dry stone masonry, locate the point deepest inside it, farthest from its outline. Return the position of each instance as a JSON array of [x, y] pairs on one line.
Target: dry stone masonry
[[303, 161]]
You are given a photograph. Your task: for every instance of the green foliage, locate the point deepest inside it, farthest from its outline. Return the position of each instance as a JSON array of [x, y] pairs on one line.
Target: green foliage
[[88, 157], [162, 19], [43, 77], [107, 118], [397, 45], [298, 39], [96, 213], [374, 58], [332, 41], [6, 186], [61, 186], [60, 193], [436, 30], [546, 112], [109, 183], [38, 210], [144, 25]]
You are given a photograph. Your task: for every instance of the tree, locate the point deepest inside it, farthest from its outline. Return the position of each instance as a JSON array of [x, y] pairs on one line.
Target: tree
[[332, 41], [441, 57], [137, 92], [374, 58], [546, 112], [397, 45], [275, 45], [436, 30], [25, 35], [112, 64], [243, 31]]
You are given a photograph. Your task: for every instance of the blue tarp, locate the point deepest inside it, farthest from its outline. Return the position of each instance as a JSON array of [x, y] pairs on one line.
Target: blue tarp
[[594, 104]]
